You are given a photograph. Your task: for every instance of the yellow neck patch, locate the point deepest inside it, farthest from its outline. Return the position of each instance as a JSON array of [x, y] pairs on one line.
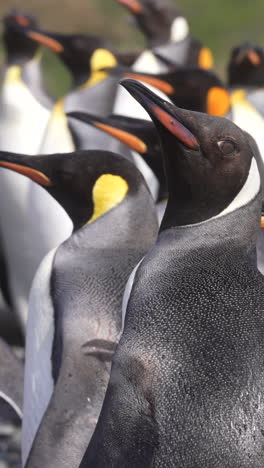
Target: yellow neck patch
[[13, 74], [238, 97], [108, 191], [101, 58]]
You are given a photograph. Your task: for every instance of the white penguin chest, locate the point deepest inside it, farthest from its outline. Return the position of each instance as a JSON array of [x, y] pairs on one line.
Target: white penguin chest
[[22, 119]]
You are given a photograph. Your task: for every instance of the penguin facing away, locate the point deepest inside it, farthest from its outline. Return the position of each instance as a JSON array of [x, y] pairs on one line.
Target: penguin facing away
[[186, 386], [76, 299], [24, 113]]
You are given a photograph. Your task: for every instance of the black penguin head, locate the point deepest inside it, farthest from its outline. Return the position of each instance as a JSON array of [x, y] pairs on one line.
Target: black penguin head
[[246, 66], [208, 159], [75, 50], [87, 184], [198, 90], [139, 135], [159, 20], [19, 49], [191, 88]]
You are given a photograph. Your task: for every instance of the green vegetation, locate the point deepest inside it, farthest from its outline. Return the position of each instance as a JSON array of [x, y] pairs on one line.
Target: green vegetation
[[220, 24]]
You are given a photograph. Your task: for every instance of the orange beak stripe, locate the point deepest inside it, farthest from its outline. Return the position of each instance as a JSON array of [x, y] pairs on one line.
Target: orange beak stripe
[[37, 176], [130, 140], [175, 127], [133, 5], [218, 101], [163, 86], [46, 41], [22, 20], [254, 57]]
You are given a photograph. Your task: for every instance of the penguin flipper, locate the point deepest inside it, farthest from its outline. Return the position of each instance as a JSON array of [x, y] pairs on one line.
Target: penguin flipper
[[11, 378]]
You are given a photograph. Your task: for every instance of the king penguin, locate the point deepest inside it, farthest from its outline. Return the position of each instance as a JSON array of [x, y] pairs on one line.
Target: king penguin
[[76, 299], [167, 32], [24, 113], [187, 380], [246, 66], [28, 246]]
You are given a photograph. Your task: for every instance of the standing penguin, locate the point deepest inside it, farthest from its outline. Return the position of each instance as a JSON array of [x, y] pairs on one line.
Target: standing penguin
[[76, 299], [24, 113], [167, 32], [28, 246], [186, 387]]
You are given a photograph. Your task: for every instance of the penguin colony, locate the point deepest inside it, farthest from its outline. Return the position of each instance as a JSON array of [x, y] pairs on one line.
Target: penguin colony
[[131, 249]]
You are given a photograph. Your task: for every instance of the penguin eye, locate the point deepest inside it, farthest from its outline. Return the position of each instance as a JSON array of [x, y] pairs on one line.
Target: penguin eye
[[226, 146]]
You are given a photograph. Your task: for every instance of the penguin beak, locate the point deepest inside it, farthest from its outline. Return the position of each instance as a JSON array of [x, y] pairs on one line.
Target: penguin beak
[[249, 54], [134, 6], [52, 41], [162, 112], [22, 21], [129, 139], [160, 84], [11, 161]]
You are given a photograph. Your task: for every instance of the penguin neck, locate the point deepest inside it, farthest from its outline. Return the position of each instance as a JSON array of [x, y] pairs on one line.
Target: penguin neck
[[234, 233], [97, 94], [29, 74], [80, 78], [124, 226], [201, 212]]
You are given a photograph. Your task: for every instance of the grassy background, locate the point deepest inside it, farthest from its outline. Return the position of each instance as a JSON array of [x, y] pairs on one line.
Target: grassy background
[[220, 24]]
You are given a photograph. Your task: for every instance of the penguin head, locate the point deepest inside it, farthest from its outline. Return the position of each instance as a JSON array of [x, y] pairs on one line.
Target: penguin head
[[87, 184], [159, 20], [191, 88], [246, 65], [75, 50], [139, 135], [19, 48], [209, 161]]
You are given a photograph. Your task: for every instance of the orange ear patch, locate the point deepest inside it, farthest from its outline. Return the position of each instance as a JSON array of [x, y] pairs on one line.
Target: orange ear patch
[[175, 127], [163, 86], [46, 41], [262, 222], [133, 5], [218, 101], [22, 20], [206, 59], [37, 176], [125, 137]]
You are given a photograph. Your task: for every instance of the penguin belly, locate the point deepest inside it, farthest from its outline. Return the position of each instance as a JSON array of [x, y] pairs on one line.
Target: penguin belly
[[22, 124], [38, 382]]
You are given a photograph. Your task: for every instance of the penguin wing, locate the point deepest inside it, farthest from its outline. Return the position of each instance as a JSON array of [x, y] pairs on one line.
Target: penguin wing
[[11, 378]]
